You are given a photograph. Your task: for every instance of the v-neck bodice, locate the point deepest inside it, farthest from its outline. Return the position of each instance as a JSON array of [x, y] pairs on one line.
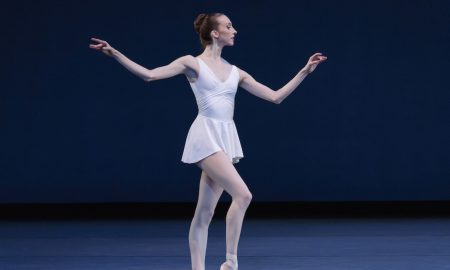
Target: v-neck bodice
[[214, 74], [215, 98]]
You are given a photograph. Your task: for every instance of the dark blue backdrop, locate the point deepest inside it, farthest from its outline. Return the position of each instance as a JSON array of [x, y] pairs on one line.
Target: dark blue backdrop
[[370, 124]]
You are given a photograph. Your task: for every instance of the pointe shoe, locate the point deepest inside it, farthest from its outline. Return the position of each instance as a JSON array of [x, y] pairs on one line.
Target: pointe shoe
[[228, 266], [231, 263]]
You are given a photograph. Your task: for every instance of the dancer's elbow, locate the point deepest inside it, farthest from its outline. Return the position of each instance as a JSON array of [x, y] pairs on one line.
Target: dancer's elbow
[[148, 77], [276, 100]]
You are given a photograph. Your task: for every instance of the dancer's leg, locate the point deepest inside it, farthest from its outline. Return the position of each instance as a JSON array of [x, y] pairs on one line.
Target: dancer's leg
[[221, 171], [208, 196]]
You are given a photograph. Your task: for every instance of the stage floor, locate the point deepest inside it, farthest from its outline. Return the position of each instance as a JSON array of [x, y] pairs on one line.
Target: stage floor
[[300, 243]]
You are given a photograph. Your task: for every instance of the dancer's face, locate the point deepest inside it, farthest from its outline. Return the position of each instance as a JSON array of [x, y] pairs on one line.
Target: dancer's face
[[225, 32]]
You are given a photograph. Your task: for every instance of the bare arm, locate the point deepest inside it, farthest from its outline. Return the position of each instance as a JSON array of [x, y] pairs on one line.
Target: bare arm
[[178, 66], [260, 90]]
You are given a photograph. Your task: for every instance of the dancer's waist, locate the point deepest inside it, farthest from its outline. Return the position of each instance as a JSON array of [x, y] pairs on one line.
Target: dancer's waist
[[218, 111], [215, 118]]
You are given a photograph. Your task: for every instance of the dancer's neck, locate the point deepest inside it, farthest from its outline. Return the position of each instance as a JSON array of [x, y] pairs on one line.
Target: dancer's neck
[[213, 51]]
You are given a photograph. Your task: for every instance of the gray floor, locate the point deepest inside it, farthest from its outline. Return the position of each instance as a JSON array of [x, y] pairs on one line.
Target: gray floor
[[309, 243]]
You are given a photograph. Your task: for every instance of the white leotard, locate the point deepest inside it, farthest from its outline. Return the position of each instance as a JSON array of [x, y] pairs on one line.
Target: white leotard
[[213, 129]]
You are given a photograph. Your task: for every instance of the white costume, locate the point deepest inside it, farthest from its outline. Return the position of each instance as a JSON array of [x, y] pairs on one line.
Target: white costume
[[213, 129]]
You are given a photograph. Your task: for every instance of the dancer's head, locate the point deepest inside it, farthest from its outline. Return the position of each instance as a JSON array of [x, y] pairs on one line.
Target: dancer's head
[[214, 28]]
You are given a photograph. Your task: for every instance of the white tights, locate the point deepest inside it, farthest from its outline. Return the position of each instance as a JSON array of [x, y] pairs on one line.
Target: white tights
[[218, 174]]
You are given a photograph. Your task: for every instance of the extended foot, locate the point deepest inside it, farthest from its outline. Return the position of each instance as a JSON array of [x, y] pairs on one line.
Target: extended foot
[[228, 266], [231, 263]]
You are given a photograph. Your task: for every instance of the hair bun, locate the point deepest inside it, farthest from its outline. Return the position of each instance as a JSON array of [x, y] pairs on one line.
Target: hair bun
[[199, 21], [204, 24]]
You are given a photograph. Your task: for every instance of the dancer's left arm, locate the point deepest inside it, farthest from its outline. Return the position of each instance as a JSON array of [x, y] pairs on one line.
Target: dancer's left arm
[[260, 90]]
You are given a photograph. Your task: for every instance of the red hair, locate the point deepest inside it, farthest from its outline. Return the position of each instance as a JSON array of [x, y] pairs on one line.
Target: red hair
[[204, 24]]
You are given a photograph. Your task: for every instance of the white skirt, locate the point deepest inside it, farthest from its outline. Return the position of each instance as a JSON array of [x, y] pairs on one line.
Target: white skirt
[[207, 136]]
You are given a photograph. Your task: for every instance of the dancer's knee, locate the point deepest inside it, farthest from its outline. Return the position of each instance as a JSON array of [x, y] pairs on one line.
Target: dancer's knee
[[204, 216], [244, 199]]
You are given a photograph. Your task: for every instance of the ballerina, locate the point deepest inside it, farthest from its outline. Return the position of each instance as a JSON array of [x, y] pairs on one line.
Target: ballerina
[[213, 142]]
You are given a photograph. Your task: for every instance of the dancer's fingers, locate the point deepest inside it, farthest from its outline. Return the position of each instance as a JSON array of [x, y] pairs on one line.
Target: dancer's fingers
[[98, 40], [97, 47]]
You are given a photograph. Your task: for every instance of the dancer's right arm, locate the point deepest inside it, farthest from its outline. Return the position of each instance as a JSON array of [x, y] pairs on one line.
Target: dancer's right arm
[[178, 66]]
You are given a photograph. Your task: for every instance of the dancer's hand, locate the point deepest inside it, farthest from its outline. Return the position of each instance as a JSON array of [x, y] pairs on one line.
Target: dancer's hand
[[313, 61], [102, 46]]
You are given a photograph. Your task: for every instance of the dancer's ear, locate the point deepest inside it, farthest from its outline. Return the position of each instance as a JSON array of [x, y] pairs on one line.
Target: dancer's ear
[[214, 34]]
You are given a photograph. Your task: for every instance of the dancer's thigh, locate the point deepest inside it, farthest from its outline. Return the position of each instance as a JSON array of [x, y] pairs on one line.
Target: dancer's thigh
[[220, 169], [209, 192]]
